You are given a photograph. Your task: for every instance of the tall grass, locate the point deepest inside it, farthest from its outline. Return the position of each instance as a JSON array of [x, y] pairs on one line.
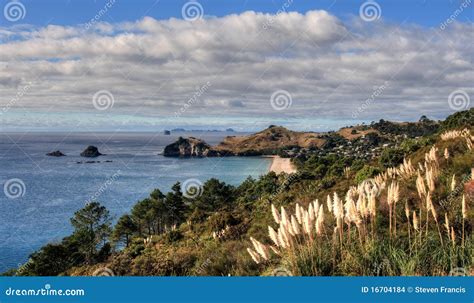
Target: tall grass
[[349, 236]]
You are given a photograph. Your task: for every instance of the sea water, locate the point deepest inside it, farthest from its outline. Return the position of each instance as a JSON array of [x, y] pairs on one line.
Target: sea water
[[53, 188]]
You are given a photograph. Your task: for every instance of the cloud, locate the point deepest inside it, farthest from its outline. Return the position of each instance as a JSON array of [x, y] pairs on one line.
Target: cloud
[[154, 67]]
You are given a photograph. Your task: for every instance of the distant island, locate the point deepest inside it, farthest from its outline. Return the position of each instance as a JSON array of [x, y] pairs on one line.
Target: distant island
[[182, 130]]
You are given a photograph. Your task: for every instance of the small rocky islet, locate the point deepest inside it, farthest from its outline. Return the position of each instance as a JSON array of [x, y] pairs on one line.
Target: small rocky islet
[[91, 152], [56, 153]]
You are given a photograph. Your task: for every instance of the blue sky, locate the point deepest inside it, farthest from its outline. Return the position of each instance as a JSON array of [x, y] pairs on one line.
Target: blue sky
[[423, 12], [311, 65]]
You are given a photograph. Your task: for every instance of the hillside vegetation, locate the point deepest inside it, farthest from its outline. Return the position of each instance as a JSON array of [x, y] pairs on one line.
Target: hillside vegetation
[[401, 211]]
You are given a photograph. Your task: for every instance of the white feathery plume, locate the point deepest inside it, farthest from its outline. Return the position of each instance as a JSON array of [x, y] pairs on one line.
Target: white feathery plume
[[276, 214], [453, 183], [463, 207], [295, 226], [284, 217], [298, 213], [415, 221], [311, 212], [329, 204], [254, 255], [316, 207], [273, 235]]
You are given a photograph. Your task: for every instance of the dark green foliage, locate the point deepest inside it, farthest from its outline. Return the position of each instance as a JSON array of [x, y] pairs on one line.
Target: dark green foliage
[[459, 120], [333, 140], [176, 208], [366, 172], [391, 157], [153, 215], [173, 236], [124, 230], [92, 227], [221, 220], [422, 128], [322, 166], [215, 195]]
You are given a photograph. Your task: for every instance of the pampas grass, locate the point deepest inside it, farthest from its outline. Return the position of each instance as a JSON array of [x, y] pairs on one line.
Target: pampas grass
[[303, 237]]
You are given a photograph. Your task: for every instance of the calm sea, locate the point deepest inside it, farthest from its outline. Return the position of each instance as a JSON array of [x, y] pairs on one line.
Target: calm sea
[[54, 188]]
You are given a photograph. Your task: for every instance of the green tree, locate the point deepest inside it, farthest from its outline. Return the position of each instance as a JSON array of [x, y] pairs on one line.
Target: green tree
[[391, 157], [366, 172], [92, 228], [53, 259], [215, 195], [124, 230], [176, 207]]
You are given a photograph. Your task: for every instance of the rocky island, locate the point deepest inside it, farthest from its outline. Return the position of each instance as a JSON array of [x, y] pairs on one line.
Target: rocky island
[[56, 153], [189, 147], [91, 152]]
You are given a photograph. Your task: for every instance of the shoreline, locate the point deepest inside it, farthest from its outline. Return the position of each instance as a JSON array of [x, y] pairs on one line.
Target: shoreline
[[281, 165]]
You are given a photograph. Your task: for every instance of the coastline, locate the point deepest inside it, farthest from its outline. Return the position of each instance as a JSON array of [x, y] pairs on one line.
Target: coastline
[[281, 165]]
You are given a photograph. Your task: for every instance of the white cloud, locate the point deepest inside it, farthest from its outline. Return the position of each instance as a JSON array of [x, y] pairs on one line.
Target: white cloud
[[153, 67]]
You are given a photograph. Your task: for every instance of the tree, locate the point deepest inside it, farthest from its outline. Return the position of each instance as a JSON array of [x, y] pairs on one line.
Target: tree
[[175, 205], [124, 229], [142, 216], [366, 172], [53, 259], [92, 228], [391, 157], [215, 195]]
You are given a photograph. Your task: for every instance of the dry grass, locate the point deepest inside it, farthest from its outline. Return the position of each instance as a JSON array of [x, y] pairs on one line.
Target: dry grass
[[339, 222]]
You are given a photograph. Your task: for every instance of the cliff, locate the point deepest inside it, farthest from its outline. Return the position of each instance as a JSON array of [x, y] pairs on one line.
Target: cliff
[[266, 142], [189, 147]]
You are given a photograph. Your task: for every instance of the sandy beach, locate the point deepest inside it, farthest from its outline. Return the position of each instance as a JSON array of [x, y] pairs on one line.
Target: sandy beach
[[280, 165]]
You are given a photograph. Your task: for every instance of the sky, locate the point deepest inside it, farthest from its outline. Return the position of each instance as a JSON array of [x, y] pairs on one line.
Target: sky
[[141, 65]]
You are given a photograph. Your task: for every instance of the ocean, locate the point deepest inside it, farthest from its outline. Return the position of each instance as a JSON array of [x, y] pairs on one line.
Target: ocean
[[40, 193]]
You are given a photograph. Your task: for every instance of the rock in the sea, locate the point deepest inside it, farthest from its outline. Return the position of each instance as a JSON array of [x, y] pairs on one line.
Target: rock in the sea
[[189, 147], [166, 132], [91, 152], [56, 153]]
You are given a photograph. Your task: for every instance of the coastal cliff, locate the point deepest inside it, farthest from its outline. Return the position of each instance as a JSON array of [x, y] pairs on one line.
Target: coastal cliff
[[189, 147], [266, 142]]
